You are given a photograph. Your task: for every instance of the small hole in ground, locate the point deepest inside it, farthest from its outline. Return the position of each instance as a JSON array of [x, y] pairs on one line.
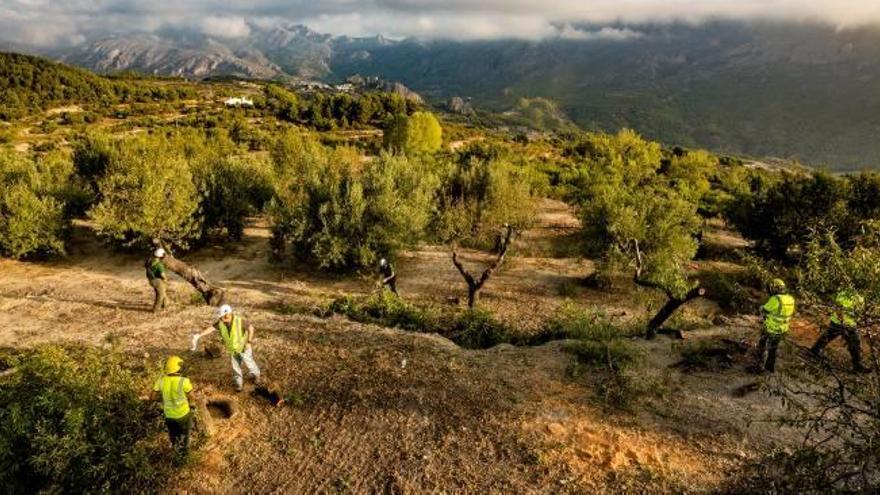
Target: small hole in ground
[[220, 408]]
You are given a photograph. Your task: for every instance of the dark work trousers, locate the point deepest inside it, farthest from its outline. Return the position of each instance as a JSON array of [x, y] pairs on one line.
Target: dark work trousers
[[769, 344], [849, 334], [179, 433], [392, 284]]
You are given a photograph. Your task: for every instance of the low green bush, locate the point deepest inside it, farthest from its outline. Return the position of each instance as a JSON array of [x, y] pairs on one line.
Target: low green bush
[[477, 329], [72, 422], [384, 308], [728, 290], [33, 216], [472, 328], [603, 348]]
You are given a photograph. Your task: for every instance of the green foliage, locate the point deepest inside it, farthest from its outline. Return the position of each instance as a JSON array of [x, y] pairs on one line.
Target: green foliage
[[72, 422], [415, 134], [231, 189], [483, 189], [91, 156], [283, 103], [633, 211], [729, 290], [385, 308], [324, 112], [339, 213], [476, 328], [472, 328], [147, 192], [33, 219], [780, 216], [603, 348], [30, 84], [571, 322], [827, 267]]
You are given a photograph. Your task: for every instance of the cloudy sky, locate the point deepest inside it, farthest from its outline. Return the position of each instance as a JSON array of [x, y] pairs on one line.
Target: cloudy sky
[[47, 22]]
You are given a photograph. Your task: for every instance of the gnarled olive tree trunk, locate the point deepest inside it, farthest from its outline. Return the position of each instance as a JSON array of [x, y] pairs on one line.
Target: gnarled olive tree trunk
[[212, 294], [672, 302], [475, 284]]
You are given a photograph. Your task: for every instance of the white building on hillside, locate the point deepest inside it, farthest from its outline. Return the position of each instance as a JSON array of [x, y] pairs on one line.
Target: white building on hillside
[[239, 102]]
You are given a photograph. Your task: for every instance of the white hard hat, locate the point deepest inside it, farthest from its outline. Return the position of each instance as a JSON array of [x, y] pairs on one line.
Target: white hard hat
[[159, 253], [383, 262], [223, 311]]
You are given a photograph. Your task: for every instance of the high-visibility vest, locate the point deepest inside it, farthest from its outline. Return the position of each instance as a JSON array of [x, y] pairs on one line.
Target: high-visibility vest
[[173, 389], [850, 303], [777, 313], [235, 340]]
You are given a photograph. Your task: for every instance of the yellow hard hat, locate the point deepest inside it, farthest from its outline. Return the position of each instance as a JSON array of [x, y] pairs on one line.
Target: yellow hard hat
[[173, 364], [778, 284]]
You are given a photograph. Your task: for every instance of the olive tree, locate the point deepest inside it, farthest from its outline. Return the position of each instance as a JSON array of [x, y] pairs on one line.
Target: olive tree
[[147, 192], [340, 211], [639, 214], [33, 218]]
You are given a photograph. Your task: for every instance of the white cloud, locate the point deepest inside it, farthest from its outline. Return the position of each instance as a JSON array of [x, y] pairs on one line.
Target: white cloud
[[52, 21], [225, 27], [606, 33]]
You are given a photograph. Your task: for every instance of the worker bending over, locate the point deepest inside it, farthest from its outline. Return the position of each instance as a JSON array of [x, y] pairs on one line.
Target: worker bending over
[[844, 322], [237, 336]]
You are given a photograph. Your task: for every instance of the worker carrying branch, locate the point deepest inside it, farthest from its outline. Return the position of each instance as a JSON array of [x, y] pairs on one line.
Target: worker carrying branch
[[237, 336], [844, 322], [158, 278], [778, 312], [172, 388], [389, 278]]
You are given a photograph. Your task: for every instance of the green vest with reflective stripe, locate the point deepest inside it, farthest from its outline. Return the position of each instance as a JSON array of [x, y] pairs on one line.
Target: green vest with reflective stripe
[[849, 303], [235, 340], [174, 400], [777, 314]]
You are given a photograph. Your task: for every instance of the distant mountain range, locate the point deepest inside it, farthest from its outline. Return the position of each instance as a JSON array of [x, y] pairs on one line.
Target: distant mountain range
[[803, 91]]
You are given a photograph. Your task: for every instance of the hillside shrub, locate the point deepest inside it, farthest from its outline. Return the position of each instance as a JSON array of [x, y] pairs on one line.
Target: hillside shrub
[[781, 215], [386, 309], [477, 328], [72, 422], [33, 215], [339, 213], [603, 348], [729, 290], [471, 329]]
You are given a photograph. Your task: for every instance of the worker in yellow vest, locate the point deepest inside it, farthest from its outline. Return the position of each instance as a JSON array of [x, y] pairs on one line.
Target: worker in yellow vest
[[778, 312], [172, 388], [844, 322], [237, 336]]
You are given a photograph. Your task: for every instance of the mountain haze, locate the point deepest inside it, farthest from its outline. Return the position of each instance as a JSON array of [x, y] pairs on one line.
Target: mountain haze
[[795, 90]]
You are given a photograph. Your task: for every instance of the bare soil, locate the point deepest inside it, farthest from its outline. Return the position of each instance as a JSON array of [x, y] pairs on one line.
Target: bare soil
[[371, 409]]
